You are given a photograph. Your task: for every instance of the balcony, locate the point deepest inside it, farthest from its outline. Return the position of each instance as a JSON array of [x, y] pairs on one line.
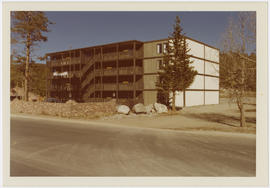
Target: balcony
[[69, 74], [67, 61], [106, 87], [122, 86], [109, 71], [130, 70], [126, 54], [130, 86], [109, 56]]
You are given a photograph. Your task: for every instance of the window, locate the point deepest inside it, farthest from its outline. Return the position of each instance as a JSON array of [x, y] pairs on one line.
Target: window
[[160, 64], [159, 48], [165, 45]]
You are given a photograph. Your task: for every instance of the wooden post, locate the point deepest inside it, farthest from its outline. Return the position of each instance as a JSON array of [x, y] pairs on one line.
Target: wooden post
[[79, 90], [117, 76], [204, 74], [134, 73], [94, 74], [61, 82], [102, 73], [70, 94], [47, 72]]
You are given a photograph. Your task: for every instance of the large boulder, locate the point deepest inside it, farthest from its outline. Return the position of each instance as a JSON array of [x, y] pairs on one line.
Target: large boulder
[[123, 109], [149, 108], [160, 108], [71, 102], [139, 108]]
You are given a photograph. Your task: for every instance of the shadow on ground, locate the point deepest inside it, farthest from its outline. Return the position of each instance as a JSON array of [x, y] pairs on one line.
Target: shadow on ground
[[220, 118]]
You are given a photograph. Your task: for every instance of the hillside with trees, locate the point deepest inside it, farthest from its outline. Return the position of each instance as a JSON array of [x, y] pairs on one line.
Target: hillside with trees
[[37, 76]]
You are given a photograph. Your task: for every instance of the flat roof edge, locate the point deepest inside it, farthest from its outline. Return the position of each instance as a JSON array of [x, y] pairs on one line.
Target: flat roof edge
[[108, 44], [187, 38]]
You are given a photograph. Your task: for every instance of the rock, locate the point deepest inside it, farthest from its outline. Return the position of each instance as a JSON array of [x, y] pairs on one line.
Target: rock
[[139, 108], [71, 102], [160, 108], [123, 109], [149, 108]]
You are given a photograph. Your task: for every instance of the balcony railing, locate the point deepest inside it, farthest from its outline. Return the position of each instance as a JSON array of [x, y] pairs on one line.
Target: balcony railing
[[70, 74], [122, 71], [130, 86], [67, 61], [130, 70], [106, 87], [109, 71], [127, 54], [122, 86]]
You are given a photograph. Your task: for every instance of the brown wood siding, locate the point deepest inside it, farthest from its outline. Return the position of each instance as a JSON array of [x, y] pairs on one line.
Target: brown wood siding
[[149, 97], [150, 81]]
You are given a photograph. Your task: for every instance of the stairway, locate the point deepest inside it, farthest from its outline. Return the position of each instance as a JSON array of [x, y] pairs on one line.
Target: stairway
[[90, 88], [88, 78]]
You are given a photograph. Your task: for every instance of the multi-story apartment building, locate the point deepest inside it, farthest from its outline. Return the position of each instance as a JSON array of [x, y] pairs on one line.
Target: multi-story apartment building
[[128, 70]]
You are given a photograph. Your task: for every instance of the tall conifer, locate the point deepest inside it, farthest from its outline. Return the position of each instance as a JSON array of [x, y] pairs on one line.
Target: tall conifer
[[176, 72], [28, 28]]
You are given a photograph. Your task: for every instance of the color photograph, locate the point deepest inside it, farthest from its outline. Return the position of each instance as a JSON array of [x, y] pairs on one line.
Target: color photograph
[[133, 93]]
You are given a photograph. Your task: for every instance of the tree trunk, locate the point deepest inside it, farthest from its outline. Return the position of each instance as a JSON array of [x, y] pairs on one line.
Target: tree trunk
[[242, 115], [184, 99], [173, 102], [26, 79]]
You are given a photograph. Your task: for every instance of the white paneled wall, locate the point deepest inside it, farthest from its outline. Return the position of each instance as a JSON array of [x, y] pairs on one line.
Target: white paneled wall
[[198, 65], [211, 54], [211, 68], [211, 83], [194, 98], [197, 83], [196, 49], [204, 89]]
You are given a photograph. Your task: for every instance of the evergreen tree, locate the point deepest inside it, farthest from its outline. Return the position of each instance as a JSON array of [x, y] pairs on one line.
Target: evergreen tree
[[176, 73], [28, 28]]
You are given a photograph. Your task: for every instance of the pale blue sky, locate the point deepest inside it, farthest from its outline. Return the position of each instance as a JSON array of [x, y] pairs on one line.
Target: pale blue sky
[[82, 29]]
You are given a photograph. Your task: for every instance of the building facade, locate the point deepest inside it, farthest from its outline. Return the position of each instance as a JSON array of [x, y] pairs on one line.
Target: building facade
[[128, 70]]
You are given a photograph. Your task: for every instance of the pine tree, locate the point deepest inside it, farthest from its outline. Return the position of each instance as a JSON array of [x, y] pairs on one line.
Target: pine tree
[[176, 74], [27, 28]]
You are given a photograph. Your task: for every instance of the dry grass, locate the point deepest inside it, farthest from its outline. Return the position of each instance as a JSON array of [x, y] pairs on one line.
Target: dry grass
[[220, 117], [250, 130]]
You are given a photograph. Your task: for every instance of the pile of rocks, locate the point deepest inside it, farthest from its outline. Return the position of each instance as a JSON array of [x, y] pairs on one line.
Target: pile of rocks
[[141, 109], [70, 109]]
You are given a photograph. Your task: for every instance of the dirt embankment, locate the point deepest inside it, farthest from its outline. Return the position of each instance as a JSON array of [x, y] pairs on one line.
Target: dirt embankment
[[67, 110], [222, 117]]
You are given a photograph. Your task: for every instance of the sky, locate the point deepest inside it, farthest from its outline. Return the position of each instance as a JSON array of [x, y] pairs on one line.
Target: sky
[[82, 29]]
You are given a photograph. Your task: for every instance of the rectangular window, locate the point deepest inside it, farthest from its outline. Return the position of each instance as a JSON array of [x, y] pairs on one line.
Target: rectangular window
[[159, 48], [160, 64], [165, 45]]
